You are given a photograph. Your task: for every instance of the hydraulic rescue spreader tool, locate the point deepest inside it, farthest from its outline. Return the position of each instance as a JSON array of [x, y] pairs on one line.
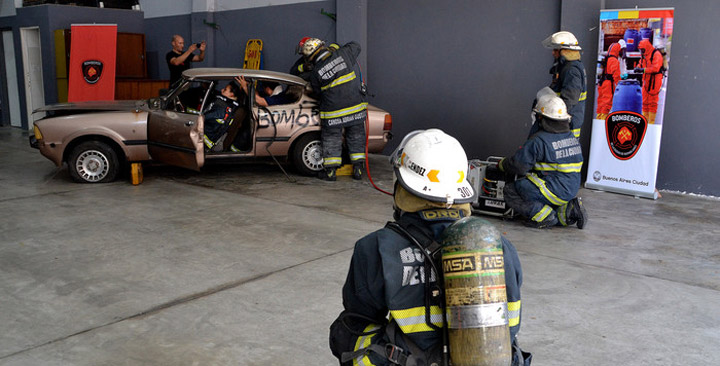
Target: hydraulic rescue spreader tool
[[489, 182]]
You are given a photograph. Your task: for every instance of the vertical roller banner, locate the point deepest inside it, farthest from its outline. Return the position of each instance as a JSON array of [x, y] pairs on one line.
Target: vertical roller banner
[[91, 73], [631, 84]]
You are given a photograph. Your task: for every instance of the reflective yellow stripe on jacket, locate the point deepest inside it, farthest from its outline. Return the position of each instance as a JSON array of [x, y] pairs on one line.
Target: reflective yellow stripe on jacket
[[514, 313], [583, 95], [555, 200], [341, 80], [344, 112], [413, 320], [576, 132], [363, 342], [563, 168]]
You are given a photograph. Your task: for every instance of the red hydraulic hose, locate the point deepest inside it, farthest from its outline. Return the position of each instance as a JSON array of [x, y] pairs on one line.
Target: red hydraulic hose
[[367, 138], [367, 158]]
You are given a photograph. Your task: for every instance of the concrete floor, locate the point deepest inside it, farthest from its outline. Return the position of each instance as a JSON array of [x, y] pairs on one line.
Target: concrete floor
[[237, 265]]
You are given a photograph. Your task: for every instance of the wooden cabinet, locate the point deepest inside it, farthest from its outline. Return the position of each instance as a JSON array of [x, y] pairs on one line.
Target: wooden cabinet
[[138, 88], [130, 57]]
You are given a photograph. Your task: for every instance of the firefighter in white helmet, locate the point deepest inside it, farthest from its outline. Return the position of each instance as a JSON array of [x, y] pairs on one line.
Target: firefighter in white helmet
[[336, 77], [392, 297], [569, 80], [550, 162]]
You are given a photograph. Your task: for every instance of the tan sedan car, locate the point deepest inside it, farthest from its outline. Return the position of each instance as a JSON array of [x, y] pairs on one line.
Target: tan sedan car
[[98, 139]]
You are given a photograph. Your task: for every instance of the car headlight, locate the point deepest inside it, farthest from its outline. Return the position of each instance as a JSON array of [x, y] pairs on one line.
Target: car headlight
[[38, 134]]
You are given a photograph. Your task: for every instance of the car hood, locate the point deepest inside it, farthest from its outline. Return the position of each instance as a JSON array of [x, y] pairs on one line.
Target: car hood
[[111, 105]]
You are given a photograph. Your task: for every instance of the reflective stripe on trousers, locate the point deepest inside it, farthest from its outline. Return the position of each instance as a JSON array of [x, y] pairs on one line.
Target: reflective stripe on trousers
[[540, 183]]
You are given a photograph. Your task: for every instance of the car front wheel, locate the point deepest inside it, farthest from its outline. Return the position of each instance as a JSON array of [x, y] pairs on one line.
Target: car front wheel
[[307, 154], [93, 162]]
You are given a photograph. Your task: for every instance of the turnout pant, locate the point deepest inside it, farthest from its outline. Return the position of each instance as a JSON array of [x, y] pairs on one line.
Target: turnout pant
[[525, 198], [332, 138]]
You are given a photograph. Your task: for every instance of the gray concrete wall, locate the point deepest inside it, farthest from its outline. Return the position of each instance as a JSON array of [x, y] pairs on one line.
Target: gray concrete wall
[[280, 28], [469, 67], [472, 68]]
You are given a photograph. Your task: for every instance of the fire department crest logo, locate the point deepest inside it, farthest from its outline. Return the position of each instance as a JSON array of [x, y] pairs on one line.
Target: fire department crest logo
[[92, 70], [625, 132]]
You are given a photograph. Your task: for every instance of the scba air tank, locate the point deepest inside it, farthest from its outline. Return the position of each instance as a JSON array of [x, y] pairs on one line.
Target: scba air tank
[[475, 294]]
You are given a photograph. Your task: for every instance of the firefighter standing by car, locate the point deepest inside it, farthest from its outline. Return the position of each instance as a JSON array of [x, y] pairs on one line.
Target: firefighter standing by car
[[651, 66], [550, 161], [609, 78], [336, 78], [389, 275], [569, 80]]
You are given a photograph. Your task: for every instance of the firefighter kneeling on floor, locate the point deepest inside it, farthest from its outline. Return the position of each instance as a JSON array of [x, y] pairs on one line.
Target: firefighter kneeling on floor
[[393, 297], [550, 161]]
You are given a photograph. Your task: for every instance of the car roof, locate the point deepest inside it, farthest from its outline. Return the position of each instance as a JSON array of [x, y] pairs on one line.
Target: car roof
[[215, 72]]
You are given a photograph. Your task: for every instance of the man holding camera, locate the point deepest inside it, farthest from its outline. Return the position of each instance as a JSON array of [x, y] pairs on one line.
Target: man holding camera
[[179, 60]]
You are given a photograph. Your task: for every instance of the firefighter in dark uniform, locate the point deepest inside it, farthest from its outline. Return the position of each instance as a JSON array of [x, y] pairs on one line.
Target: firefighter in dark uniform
[[336, 78], [388, 277], [550, 161], [569, 80], [219, 114]]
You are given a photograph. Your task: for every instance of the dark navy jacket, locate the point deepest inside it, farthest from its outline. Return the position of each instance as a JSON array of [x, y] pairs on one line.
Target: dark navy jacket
[[218, 118], [570, 83], [336, 77], [552, 161], [387, 277]]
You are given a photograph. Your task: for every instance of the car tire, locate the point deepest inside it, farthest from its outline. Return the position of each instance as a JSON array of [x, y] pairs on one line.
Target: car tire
[[93, 162], [307, 154]]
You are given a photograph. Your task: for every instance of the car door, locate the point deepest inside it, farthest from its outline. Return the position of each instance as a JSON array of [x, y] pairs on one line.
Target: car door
[[175, 137]]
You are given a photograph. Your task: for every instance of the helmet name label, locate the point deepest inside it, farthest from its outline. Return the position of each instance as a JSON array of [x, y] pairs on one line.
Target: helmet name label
[[441, 214], [416, 168]]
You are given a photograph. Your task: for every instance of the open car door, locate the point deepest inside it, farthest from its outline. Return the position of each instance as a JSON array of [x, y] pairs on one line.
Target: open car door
[[176, 138]]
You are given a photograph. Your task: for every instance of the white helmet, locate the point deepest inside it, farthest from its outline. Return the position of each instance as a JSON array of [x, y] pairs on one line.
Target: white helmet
[[311, 45], [432, 165], [562, 40], [551, 106]]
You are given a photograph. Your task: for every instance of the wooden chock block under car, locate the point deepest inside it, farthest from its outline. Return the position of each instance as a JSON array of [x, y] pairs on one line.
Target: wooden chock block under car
[[136, 173], [346, 169]]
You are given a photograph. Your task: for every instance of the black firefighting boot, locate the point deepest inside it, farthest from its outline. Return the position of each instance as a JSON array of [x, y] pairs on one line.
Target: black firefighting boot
[[328, 174], [576, 213], [550, 221], [357, 171]]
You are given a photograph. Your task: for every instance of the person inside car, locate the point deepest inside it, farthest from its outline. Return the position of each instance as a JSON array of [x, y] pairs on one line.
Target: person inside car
[[219, 114], [267, 93]]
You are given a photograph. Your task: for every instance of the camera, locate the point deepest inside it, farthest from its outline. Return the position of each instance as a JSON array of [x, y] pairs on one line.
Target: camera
[[197, 45]]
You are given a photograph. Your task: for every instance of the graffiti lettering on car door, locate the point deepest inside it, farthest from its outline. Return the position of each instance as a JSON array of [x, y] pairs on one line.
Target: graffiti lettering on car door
[[301, 117]]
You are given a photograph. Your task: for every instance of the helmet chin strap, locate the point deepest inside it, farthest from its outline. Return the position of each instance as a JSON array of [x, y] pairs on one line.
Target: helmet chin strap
[[448, 201]]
